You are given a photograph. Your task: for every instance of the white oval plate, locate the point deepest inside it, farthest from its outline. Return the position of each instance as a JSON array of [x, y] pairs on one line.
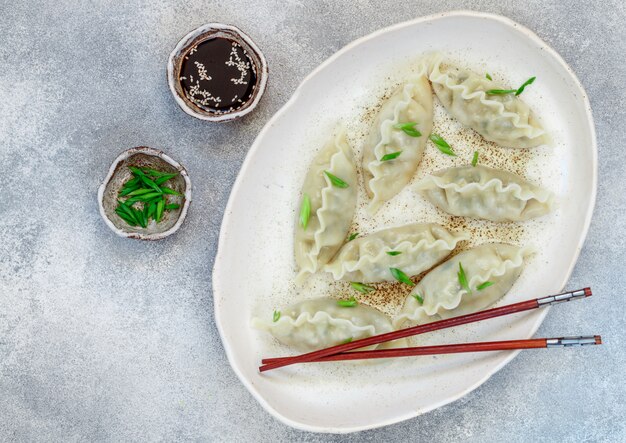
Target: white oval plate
[[254, 267]]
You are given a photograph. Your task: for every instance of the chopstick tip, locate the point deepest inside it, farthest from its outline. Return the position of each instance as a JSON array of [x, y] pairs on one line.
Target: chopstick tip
[[598, 339], [588, 292]]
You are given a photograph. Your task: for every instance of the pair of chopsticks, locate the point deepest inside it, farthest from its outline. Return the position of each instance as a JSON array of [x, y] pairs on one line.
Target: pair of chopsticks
[[341, 352]]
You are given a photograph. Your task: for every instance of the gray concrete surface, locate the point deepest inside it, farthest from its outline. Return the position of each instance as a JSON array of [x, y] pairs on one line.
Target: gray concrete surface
[[107, 339]]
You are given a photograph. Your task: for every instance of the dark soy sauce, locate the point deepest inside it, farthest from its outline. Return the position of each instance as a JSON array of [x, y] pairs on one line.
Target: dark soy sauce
[[218, 75]]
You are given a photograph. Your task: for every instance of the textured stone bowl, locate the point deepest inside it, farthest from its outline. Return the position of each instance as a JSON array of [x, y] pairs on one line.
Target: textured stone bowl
[[119, 173], [199, 35]]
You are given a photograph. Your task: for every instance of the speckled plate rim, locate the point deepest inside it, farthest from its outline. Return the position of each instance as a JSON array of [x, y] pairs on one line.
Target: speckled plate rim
[[505, 358], [155, 153]]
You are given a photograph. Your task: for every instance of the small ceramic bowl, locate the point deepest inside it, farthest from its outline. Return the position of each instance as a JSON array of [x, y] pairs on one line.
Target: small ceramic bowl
[[119, 174], [199, 35]]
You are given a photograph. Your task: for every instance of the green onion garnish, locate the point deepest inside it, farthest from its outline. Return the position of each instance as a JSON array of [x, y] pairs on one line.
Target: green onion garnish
[[463, 279], [394, 253], [442, 145], [526, 83], [347, 340], [144, 188], [164, 178], [160, 207], [350, 303], [484, 285], [390, 156], [419, 298], [501, 91], [488, 76], [361, 287], [170, 191], [517, 91], [475, 159], [401, 276], [305, 211], [141, 191], [276, 316], [408, 128], [353, 236], [336, 181]]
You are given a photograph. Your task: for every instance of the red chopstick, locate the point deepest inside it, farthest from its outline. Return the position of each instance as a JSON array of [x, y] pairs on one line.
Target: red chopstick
[[507, 345], [274, 363]]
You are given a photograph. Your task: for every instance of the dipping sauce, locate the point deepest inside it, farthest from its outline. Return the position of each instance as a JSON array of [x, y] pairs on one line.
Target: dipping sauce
[[218, 75]]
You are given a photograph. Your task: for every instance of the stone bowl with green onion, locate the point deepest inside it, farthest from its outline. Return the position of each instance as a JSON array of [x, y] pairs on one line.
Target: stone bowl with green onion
[[145, 195]]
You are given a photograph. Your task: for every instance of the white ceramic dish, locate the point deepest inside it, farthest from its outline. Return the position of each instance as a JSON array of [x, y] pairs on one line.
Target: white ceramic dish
[[254, 267]]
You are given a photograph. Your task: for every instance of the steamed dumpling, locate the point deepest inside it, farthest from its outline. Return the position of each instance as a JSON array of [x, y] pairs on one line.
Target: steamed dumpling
[[486, 193], [503, 119], [442, 293], [332, 207], [322, 322], [411, 103], [415, 248]]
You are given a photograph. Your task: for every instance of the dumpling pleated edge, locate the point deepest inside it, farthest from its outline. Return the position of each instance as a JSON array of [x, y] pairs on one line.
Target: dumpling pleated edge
[[536, 134], [344, 151], [410, 91], [449, 240], [544, 197], [422, 314]]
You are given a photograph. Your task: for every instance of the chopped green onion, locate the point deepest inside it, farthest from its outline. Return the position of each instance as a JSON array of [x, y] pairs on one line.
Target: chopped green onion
[[159, 209], [125, 191], [347, 340], [143, 189], [164, 178], [139, 217], [170, 191], [144, 178], [144, 197], [488, 76], [442, 145], [390, 156], [353, 236], [152, 209], [361, 287], [305, 211], [408, 129], [463, 279], [501, 91], [128, 211], [475, 159], [401, 276], [484, 285], [140, 191], [276, 316], [124, 216], [158, 173], [394, 253], [419, 298], [336, 181], [350, 303], [132, 182], [526, 83]]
